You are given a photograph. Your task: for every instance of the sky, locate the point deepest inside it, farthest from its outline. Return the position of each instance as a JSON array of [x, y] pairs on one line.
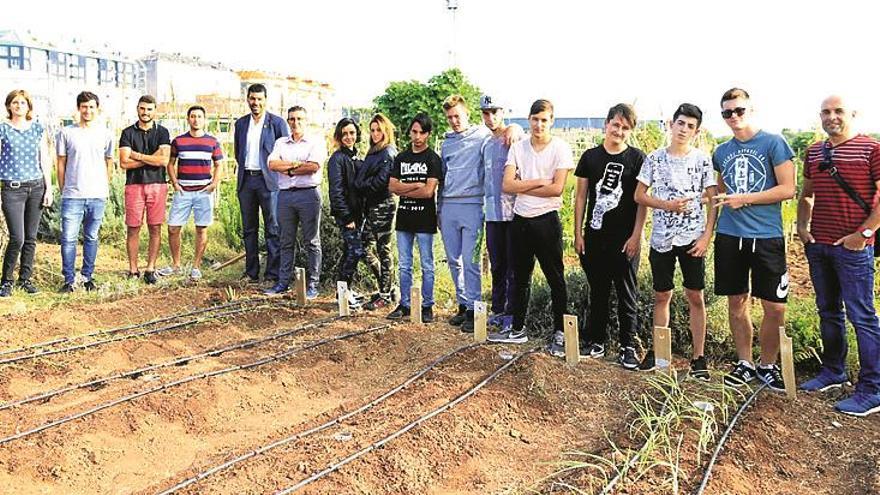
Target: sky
[[583, 56]]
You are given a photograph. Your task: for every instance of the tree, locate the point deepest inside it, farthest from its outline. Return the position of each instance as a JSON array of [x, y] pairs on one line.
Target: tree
[[402, 100]]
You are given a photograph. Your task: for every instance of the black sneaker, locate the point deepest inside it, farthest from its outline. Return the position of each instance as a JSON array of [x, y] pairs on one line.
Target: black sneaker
[[28, 286], [468, 325], [556, 347], [378, 301], [89, 286], [134, 275], [66, 289], [628, 358], [594, 350], [399, 313], [772, 376], [427, 314], [699, 370], [6, 289], [150, 277], [459, 317], [742, 374], [648, 363]]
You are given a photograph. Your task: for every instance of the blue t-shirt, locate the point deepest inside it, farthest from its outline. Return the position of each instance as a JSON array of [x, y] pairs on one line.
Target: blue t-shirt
[[498, 204], [20, 152], [748, 167]]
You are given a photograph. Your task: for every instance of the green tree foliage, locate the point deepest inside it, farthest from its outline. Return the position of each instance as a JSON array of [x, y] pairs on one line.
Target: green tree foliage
[[402, 100]]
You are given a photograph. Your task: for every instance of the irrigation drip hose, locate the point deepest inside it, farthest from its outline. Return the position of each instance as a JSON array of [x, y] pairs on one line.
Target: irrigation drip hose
[[443, 408], [180, 361], [332, 422], [209, 374], [129, 327], [119, 338], [708, 473]]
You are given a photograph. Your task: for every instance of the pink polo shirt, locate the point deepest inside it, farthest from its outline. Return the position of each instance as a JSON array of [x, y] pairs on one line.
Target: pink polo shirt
[[307, 149]]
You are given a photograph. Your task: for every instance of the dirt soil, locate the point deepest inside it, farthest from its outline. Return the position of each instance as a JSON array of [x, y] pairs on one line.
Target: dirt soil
[[507, 438]]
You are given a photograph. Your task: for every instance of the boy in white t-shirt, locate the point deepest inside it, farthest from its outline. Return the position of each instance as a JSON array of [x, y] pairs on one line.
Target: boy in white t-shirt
[[536, 171], [678, 177]]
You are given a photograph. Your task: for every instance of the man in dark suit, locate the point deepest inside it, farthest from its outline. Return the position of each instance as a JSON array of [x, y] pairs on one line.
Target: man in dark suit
[[257, 188]]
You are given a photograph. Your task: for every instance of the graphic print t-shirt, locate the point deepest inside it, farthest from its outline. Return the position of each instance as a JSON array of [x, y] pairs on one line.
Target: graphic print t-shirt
[[417, 214], [676, 177], [611, 209], [749, 167]]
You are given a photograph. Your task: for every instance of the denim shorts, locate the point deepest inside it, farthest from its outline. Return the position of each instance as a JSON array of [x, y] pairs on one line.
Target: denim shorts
[[200, 203]]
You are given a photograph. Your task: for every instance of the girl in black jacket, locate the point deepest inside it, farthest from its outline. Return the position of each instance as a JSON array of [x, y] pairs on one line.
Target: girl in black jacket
[[379, 207], [346, 203]]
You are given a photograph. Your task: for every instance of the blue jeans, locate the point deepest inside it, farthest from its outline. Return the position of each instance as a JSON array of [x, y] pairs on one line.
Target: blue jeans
[[405, 241], [845, 279], [461, 225], [75, 212]]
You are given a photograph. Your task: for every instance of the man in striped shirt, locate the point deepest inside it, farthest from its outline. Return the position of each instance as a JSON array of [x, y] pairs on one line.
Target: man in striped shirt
[[838, 236], [194, 173]]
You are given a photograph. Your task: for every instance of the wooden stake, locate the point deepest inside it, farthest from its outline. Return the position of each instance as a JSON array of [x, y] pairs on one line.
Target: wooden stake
[[342, 298], [787, 364], [663, 348], [300, 285], [479, 321], [572, 342], [415, 304]]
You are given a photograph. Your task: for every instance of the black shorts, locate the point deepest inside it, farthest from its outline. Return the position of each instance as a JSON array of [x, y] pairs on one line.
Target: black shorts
[[735, 257], [693, 268]]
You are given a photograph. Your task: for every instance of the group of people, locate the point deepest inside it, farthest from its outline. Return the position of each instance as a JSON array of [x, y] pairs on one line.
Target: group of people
[[497, 183]]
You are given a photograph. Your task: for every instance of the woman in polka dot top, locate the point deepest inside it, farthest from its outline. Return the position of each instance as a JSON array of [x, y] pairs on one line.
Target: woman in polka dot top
[[25, 187]]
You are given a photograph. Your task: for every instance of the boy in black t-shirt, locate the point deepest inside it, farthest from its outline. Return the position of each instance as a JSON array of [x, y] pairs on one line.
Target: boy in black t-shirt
[[608, 245], [414, 177]]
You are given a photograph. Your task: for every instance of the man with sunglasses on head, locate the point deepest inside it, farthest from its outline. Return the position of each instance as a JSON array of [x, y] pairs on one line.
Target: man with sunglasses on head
[[755, 174], [837, 218]]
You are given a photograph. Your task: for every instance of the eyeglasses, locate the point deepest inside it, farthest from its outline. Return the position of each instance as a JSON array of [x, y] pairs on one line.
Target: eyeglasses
[[739, 111], [827, 158]]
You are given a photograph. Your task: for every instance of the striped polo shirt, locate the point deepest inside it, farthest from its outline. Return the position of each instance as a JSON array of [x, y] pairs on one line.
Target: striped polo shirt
[[195, 157], [835, 214]]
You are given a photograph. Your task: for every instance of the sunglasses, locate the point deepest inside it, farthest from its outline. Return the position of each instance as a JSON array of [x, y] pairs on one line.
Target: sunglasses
[[827, 158], [739, 111]]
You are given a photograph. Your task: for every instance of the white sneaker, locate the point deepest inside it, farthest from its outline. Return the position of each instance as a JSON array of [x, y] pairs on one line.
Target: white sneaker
[[355, 300], [195, 274], [167, 271]]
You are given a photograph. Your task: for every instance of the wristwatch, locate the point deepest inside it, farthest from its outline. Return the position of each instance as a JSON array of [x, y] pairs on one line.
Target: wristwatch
[[867, 233]]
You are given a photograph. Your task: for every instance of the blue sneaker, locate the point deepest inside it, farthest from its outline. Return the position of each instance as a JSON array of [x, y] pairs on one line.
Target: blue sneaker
[[312, 292], [507, 323], [861, 404], [276, 290], [825, 381], [495, 320]]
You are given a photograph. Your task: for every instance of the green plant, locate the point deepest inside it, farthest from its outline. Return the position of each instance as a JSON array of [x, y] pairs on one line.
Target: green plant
[[402, 100]]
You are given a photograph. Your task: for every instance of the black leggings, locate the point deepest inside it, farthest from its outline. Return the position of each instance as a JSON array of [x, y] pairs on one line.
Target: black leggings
[[22, 207]]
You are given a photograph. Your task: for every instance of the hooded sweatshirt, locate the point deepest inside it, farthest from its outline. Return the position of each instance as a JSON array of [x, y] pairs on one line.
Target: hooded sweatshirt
[[463, 166]]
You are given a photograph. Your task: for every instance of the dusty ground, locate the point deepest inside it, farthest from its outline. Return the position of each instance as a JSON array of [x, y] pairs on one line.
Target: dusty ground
[[507, 438]]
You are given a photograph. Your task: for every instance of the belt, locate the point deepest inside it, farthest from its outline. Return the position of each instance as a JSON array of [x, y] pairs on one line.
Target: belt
[[253, 172], [299, 188], [15, 184]]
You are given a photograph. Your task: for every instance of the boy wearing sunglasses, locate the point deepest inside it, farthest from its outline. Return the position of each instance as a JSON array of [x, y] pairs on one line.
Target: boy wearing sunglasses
[[841, 179], [755, 174]]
